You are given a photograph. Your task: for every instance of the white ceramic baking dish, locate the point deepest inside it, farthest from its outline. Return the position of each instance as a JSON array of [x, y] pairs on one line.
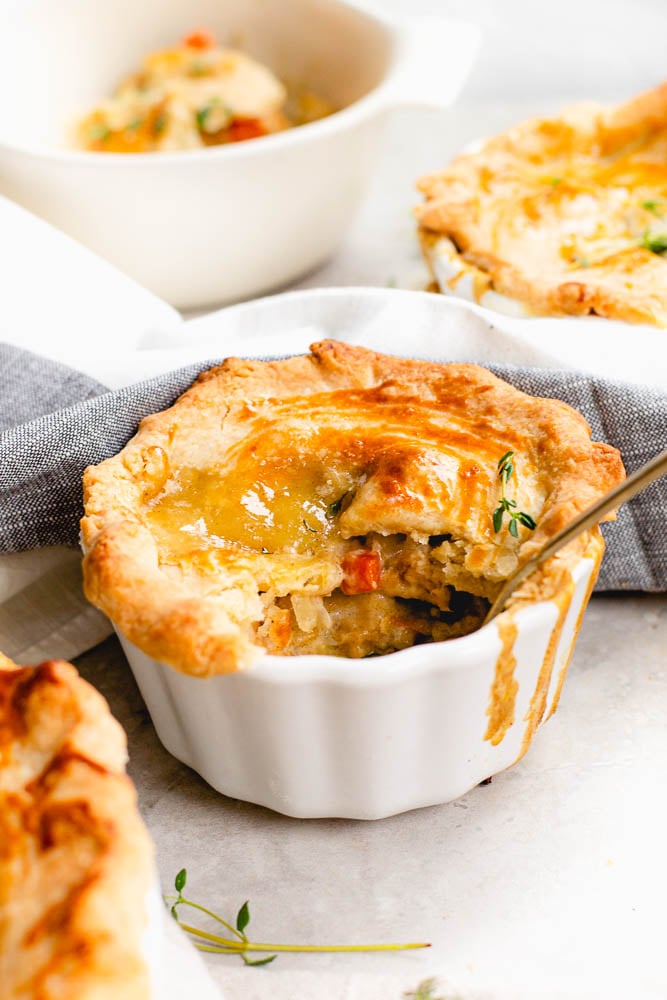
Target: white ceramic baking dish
[[315, 736], [455, 277], [223, 223]]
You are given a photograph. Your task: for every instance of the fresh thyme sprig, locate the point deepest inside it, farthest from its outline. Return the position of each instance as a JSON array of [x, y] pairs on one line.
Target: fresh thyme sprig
[[239, 944], [517, 517]]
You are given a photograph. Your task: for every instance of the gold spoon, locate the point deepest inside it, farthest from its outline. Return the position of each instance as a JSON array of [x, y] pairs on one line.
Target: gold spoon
[[634, 484]]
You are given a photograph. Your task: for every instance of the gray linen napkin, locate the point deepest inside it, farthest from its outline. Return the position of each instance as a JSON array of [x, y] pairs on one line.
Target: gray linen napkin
[[42, 459]]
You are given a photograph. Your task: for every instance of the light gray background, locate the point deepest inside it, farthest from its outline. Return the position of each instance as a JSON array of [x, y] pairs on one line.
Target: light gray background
[[592, 49]]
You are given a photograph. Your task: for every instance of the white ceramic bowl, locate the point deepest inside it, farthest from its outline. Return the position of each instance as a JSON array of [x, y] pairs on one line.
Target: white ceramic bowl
[[321, 736], [223, 223]]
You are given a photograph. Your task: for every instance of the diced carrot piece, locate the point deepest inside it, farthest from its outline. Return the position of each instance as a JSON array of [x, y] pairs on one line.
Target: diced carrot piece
[[245, 128], [200, 39], [362, 571]]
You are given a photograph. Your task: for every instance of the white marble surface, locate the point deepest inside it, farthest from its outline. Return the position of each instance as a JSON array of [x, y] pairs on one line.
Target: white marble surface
[[547, 883], [594, 49]]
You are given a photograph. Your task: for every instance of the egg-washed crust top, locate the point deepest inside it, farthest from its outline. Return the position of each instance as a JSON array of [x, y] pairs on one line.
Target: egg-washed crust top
[[422, 439], [75, 858], [559, 213]]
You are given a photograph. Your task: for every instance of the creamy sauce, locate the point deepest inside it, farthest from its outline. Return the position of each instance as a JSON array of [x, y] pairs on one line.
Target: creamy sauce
[[264, 497], [584, 604], [264, 508], [538, 702], [502, 700]]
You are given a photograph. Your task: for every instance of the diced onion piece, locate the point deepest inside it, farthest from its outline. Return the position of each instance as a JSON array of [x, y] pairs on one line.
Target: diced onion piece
[[310, 613]]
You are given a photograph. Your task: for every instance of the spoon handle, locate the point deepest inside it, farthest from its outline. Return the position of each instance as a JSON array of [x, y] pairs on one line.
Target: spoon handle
[[634, 484]]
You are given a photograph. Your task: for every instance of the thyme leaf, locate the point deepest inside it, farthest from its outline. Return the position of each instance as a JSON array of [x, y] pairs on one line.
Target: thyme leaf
[[339, 505], [99, 132], [507, 506], [654, 206], [334, 508], [424, 991], [655, 242], [259, 961], [198, 68], [239, 944], [243, 918], [202, 115], [203, 112]]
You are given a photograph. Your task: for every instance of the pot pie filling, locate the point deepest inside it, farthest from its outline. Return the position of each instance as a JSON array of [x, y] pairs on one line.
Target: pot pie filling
[[340, 503], [196, 95]]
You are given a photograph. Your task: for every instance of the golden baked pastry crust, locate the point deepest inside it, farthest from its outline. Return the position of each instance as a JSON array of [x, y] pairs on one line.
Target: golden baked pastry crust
[[335, 502], [559, 213], [75, 859]]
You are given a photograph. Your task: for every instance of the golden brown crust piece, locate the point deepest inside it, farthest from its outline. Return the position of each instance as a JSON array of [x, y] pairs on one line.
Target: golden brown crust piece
[[331, 458], [75, 859], [559, 213]]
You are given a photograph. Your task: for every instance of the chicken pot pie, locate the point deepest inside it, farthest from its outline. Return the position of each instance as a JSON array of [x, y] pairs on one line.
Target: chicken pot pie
[[565, 215], [196, 95], [75, 860], [340, 502]]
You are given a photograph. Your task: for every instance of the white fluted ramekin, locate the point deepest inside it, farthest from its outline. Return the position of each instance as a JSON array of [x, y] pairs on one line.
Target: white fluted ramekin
[[315, 736], [228, 222]]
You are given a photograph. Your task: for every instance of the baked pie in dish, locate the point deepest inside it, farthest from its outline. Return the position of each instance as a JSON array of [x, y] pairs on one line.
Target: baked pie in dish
[[560, 216], [76, 863], [343, 502]]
